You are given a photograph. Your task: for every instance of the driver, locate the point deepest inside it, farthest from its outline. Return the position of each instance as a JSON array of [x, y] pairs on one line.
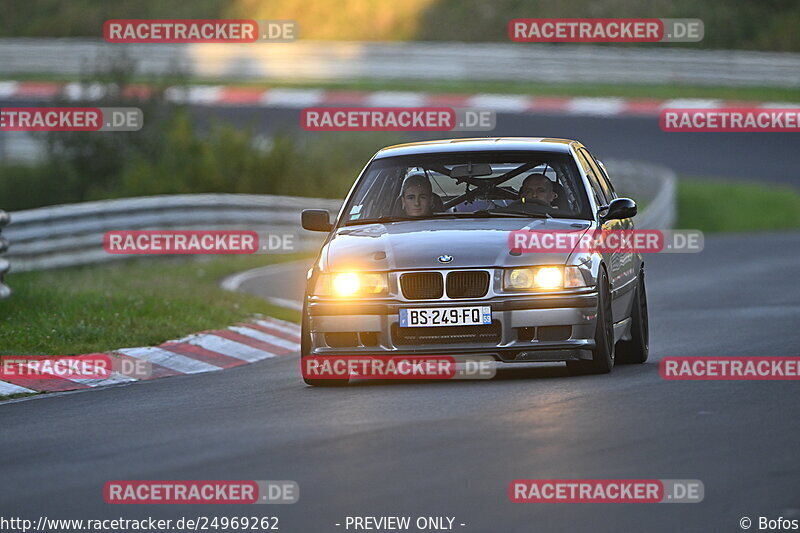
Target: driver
[[416, 196], [536, 190]]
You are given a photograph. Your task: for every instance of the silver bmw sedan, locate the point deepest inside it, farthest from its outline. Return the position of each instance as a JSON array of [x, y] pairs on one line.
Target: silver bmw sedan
[[432, 254]]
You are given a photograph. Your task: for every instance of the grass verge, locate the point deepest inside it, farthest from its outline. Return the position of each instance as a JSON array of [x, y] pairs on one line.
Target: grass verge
[[134, 303], [761, 94], [571, 89], [721, 205]]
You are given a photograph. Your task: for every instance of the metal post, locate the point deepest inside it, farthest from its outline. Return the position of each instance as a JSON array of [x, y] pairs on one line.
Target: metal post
[[5, 291]]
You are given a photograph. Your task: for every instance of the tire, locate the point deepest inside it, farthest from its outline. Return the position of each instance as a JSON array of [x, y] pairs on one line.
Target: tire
[[305, 350], [603, 354], [636, 350]]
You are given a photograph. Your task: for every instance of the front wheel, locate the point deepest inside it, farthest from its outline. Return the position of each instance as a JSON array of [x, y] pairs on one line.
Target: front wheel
[[637, 349], [603, 354]]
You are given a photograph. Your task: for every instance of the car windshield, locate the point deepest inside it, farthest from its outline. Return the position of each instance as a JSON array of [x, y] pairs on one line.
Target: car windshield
[[496, 184]]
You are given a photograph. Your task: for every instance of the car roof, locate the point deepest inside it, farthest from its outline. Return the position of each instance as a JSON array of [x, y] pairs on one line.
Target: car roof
[[480, 144]]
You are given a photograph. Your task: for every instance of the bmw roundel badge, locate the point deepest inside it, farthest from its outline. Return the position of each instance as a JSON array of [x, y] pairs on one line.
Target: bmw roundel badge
[[445, 258]]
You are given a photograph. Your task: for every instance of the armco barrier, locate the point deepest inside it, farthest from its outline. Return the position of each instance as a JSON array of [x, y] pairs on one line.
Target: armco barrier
[[652, 186], [5, 292], [330, 60], [66, 235]]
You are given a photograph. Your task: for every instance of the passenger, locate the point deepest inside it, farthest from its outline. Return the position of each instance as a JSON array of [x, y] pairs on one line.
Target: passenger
[[416, 196]]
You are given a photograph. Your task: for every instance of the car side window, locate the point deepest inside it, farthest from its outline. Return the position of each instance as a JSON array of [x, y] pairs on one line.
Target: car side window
[[607, 180], [605, 183], [592, 174]]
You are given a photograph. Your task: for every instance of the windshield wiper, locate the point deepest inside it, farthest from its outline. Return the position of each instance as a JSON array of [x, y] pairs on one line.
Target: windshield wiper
[[380, 220], [516, 214], [482, 213]]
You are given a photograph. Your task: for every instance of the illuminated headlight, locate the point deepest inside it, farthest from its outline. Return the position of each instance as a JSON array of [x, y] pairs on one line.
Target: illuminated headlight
[[543, 278], [347, 284]]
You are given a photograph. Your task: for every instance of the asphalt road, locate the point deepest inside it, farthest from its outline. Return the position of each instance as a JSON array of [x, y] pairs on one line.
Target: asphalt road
[[451, 448], [769, 157]]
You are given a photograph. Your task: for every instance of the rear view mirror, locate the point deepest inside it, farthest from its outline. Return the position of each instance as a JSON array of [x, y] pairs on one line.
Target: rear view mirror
[[316, 220], [470, 171], [619, 209]]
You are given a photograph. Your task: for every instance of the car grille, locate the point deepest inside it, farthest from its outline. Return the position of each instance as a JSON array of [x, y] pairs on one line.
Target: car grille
[[422, 285], [489, 333], [467, 284], [460, 284]]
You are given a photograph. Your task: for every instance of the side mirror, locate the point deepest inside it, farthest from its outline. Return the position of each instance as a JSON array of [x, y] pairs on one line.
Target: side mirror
[[619, 209], [316, 220]]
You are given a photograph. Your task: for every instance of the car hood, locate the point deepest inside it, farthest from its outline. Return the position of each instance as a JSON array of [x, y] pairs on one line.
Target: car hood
[[417, 244]]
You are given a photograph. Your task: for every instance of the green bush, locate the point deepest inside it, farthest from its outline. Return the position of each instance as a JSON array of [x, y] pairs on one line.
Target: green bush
[[175, 157], [740, 24], [231, 160], [172, 154]]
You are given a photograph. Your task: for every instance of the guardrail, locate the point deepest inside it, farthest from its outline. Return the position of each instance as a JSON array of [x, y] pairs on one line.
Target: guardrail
[[5, 292], [652, 186], [330, 60], [67, 235]]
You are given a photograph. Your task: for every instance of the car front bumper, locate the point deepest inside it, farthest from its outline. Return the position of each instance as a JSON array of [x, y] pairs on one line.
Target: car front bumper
[[530, 328]]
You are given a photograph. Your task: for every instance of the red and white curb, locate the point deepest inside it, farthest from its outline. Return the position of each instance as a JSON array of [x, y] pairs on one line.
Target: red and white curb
[[243, 343], [231, 95]]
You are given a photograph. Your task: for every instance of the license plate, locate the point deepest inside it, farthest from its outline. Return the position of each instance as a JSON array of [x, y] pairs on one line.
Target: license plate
[[445, 316]]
